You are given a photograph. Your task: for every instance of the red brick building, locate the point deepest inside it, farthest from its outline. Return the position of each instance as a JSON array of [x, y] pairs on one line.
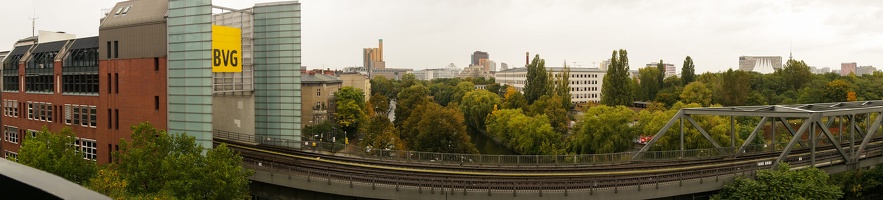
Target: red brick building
[[97, 86]]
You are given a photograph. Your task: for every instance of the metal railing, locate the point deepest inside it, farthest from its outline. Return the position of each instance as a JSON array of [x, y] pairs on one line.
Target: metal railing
[[339, 148]]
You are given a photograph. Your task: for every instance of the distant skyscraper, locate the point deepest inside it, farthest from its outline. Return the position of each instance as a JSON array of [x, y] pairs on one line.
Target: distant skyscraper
[[604, 64], [477, 56], [670, 69], [847, 68], [761, 64], [865, 70], [373, 58], [504, 66]]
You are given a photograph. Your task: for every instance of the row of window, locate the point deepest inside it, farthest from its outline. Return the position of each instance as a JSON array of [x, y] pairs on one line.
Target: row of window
[[585, 95], [556, 75], [13, 156], [10, 108], [41, 111], [577, 89], [82, 115], [40, 83], [10, 134]]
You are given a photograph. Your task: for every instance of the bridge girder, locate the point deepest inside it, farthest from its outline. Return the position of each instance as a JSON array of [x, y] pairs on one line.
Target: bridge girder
[[812, 115]]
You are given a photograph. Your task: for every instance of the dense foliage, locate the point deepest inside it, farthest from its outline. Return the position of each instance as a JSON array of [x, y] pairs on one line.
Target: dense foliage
[[782, 183], [56, 154]]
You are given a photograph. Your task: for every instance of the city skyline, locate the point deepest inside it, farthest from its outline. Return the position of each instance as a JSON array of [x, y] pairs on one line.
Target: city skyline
[[432, 34]]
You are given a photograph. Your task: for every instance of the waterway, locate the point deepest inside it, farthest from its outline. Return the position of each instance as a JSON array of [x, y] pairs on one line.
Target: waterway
[[486, 145]]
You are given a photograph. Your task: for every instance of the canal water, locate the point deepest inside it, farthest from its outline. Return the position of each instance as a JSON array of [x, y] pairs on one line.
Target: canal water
[[488, 146]]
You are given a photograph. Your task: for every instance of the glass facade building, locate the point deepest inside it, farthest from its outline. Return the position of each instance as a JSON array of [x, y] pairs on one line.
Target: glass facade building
[[277, 44], [189, 69]]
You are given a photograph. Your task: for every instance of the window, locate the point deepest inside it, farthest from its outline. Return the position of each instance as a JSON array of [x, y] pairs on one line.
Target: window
[[43, 83], [84, 115], [11, 134], [76, 114], [116, 49], [12, 156], [108, 49], [68, 114], [88, 147], [30, 110], [319, 92], [155, 64], [10, 72], [10, 108], [116, 82], [108, 83], [80, 72], [32, 133], [80, 84], [93, 116], [117, 119], [109, 122], [156, 102]]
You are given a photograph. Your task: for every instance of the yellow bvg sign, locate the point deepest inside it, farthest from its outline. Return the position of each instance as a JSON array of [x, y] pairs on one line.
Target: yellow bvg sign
[[226, 49]]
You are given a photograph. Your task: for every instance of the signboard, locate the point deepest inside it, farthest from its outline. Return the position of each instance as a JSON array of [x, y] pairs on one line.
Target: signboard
[[226, 49]]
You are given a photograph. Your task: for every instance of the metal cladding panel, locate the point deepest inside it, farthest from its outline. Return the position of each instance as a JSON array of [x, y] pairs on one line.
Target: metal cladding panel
[[277, 70], [189, 29]]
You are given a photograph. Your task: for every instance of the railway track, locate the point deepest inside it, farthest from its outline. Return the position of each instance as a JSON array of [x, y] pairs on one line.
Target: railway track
[[483, 177]]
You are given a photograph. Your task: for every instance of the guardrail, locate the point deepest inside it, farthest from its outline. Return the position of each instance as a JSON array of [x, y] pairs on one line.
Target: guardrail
[[339, 147]]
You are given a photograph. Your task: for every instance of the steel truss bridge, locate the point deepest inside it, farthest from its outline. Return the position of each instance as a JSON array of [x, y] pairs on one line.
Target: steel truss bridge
[[855, 142]]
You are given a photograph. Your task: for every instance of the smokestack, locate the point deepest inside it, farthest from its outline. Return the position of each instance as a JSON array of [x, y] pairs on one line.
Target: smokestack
[[526, 58]]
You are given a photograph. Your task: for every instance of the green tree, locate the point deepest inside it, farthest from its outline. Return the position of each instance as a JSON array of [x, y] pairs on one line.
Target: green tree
[[155, 162], [562, 88], [54, 153], [603, 129], [379, 104], [697, 92], [409, 99], [476, 106], [738, 88], [514, 99], [617, 88], [649, 85], [783, 183], [496, 88], [523, 134], [350, 93], [551, 106], [836, 91], [381, 85], [433, 128], [795, 74], [688, 71], [861, 183], [461, 89], [381, 134], [661, 76], [408, 80], [537, 80], [349, 115]]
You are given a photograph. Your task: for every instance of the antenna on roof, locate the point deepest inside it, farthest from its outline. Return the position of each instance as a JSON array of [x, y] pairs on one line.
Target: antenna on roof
[[790, 50], [34, 23]]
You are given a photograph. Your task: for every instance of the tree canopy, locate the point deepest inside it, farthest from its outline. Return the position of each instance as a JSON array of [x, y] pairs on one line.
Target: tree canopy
[[155, 162], [617, 88], [54, 153], [603, 129], [688, 71], [537, 80], [783, 183]]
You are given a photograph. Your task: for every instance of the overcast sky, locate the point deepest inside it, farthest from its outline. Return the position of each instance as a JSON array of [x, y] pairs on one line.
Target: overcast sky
[[430, 34]]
